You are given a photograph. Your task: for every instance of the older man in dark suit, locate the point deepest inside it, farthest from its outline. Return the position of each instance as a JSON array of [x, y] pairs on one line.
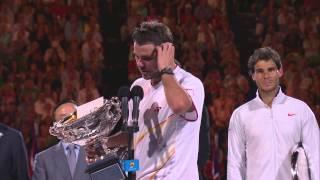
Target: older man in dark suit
[[63, 161], [13, 156]]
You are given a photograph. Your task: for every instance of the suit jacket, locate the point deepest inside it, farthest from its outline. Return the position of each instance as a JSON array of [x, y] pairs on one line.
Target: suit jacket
[[52, 164], [13, 155]]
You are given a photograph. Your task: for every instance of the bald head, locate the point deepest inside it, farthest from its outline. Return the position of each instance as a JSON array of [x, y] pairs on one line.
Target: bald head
[[64, 110]]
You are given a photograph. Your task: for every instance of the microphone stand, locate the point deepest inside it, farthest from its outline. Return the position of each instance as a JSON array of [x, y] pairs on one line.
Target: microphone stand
[[131, 130], [136, 94]]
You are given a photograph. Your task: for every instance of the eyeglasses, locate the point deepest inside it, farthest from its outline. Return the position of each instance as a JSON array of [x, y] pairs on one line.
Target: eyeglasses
[[151, 57], [69, 118]]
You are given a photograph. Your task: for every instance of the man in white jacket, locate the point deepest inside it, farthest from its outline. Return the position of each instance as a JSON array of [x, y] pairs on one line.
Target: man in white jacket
[[263, 131]]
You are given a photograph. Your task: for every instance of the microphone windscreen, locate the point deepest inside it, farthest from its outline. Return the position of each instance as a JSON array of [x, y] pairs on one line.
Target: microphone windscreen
[[136, 91], [124, 91]]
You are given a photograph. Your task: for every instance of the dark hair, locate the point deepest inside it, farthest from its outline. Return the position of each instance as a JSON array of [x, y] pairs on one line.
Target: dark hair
[[152, 32], [263, 54], [64, 101]]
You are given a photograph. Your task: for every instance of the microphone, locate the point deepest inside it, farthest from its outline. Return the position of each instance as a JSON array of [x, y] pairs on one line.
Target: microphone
[[124, 96], [136, 95]]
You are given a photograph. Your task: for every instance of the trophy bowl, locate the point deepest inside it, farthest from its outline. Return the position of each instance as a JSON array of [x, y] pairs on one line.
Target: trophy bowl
[[92, 129]]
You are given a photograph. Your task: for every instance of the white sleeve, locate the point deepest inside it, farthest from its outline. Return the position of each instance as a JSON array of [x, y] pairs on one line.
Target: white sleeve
[[311, 142], [194, 88], [236, 149]]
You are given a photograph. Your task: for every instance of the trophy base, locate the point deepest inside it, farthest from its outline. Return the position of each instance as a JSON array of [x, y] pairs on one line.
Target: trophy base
[[107, 168]]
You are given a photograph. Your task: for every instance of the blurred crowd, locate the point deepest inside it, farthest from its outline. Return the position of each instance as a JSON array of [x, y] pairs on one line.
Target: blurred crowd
[[49, 51], [52, 50]]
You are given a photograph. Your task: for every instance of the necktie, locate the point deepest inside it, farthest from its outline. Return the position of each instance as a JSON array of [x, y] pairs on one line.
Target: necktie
[[72, 159]]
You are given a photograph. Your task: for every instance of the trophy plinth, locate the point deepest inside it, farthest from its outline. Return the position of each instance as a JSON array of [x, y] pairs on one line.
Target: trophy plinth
[[109, 167]]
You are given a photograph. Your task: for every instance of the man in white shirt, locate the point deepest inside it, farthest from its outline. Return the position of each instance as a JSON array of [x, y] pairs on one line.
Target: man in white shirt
[[167, 142], [263, 131]]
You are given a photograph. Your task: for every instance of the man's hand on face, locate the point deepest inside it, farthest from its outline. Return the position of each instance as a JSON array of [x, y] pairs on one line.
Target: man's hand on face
[[165, 55]]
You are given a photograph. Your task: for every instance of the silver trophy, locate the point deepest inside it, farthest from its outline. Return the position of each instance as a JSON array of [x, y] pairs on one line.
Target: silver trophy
[[92, 129]]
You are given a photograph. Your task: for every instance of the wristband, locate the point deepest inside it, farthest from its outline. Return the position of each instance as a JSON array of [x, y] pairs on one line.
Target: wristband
[[166, 70]]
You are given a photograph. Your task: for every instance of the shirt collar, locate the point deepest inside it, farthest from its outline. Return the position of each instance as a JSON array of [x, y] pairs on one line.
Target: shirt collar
[[65, 145], [278, 99]]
